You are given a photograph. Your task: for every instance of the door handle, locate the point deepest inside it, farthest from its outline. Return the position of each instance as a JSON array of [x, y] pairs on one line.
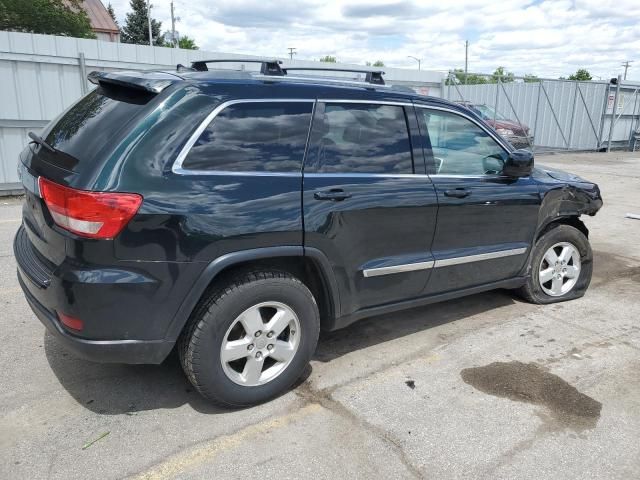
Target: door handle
[[335, 194], [458, 192]]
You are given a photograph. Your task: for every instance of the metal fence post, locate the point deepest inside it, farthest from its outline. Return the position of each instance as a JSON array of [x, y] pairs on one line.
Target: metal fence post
[[449, 86], [603, 117], [613, 112], [83, 73], [495, 109]]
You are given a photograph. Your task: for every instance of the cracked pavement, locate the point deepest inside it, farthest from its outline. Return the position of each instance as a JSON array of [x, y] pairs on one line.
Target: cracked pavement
[[383, 398]]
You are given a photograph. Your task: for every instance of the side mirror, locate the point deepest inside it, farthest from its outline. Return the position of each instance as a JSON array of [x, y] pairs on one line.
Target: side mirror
[[518, 164]]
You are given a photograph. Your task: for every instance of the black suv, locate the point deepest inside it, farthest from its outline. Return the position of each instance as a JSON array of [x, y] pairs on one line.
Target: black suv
[[232, 215]]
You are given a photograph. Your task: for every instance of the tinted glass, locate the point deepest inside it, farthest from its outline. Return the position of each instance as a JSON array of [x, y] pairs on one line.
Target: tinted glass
[[92, 123], [460, 147], [254, 137], [359, 138]]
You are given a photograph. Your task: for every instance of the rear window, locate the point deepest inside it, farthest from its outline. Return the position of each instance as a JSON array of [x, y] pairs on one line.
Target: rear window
[[253, 137], [92, 123]]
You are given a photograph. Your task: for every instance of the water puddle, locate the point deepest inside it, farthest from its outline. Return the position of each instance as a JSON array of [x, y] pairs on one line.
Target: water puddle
[[527, 382]]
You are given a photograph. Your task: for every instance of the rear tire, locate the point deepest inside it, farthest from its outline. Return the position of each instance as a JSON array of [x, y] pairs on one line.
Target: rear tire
[[550, 280], [269, 320]]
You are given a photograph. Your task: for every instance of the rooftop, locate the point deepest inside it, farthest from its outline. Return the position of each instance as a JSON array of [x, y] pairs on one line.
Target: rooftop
[[99, 17]]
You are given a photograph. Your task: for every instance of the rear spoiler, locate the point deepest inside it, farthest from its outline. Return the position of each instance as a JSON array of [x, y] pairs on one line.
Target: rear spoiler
[[151, 82]]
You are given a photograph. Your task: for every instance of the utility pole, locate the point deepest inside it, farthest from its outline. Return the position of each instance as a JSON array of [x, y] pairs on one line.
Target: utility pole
[[173, 28], [626, 67], [149, 22], [292, 52], [466, 59]]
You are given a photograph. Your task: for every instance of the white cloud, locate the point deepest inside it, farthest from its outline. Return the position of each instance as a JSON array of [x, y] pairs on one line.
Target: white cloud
[[547, 38]]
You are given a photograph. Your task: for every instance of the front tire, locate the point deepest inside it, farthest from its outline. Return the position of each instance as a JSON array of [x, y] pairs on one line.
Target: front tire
[[251, 339], [560, 267]]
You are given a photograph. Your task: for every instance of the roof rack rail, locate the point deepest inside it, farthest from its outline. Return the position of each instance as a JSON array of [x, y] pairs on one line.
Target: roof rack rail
[[267, 67], [372, 76]]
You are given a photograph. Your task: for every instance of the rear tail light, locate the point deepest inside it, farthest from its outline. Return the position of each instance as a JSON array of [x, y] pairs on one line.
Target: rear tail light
[[89, 214], [71, 322]]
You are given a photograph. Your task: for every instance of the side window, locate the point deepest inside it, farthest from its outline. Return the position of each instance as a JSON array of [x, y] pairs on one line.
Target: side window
[[360, 138], [460, 147], [253, 137]]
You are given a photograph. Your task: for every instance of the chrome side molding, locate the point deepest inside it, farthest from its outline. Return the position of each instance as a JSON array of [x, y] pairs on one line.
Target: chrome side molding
[[408, 267], [445, 262]]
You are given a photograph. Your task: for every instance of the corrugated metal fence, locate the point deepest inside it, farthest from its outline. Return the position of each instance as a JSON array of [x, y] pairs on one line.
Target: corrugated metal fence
[[561, 114], [41, 75]]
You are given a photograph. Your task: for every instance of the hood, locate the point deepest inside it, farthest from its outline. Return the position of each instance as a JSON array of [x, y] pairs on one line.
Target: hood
[[509, 125], [560, 174]]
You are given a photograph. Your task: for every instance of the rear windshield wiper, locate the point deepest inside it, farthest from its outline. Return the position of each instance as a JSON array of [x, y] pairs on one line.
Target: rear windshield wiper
[[40, 141]]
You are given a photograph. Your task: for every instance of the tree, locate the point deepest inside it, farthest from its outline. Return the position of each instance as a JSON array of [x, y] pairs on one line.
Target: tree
[[529, 78], [502, 74], [328, 59], [187, 43], [51, 17], [461, 79], [581, 75], [378, 63], [112, 13], [136, 26]]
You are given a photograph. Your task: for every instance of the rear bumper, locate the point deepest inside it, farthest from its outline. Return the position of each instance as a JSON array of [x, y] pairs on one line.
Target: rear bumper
[[103, 351], [127, 310]]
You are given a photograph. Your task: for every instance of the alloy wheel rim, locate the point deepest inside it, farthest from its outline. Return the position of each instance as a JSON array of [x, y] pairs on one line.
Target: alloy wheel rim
[[559, 269], [260, 344]]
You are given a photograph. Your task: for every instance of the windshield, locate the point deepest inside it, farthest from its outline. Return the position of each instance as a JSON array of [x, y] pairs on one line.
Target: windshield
[[487, 113]]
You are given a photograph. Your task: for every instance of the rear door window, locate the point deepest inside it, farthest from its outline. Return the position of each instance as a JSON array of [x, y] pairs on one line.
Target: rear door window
[[253, 137], [360, 138]]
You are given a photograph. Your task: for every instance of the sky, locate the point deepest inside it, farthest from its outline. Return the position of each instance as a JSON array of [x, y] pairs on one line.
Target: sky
[[548, 38]]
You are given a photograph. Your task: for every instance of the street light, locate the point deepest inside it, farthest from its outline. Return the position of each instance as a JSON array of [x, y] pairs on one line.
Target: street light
[[416, 59]]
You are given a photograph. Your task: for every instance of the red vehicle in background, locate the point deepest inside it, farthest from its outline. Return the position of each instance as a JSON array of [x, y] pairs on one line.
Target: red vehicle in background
[[515, 133]]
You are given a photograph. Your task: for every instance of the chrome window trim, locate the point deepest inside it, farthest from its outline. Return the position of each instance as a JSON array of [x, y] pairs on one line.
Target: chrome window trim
[[445, 262], [496, 137], [407, 267], [446, 175], [360, 175], [177, 164]]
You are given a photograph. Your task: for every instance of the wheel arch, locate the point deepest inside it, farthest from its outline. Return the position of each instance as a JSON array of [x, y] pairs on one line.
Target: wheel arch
[[310, 265], [571, 220]]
